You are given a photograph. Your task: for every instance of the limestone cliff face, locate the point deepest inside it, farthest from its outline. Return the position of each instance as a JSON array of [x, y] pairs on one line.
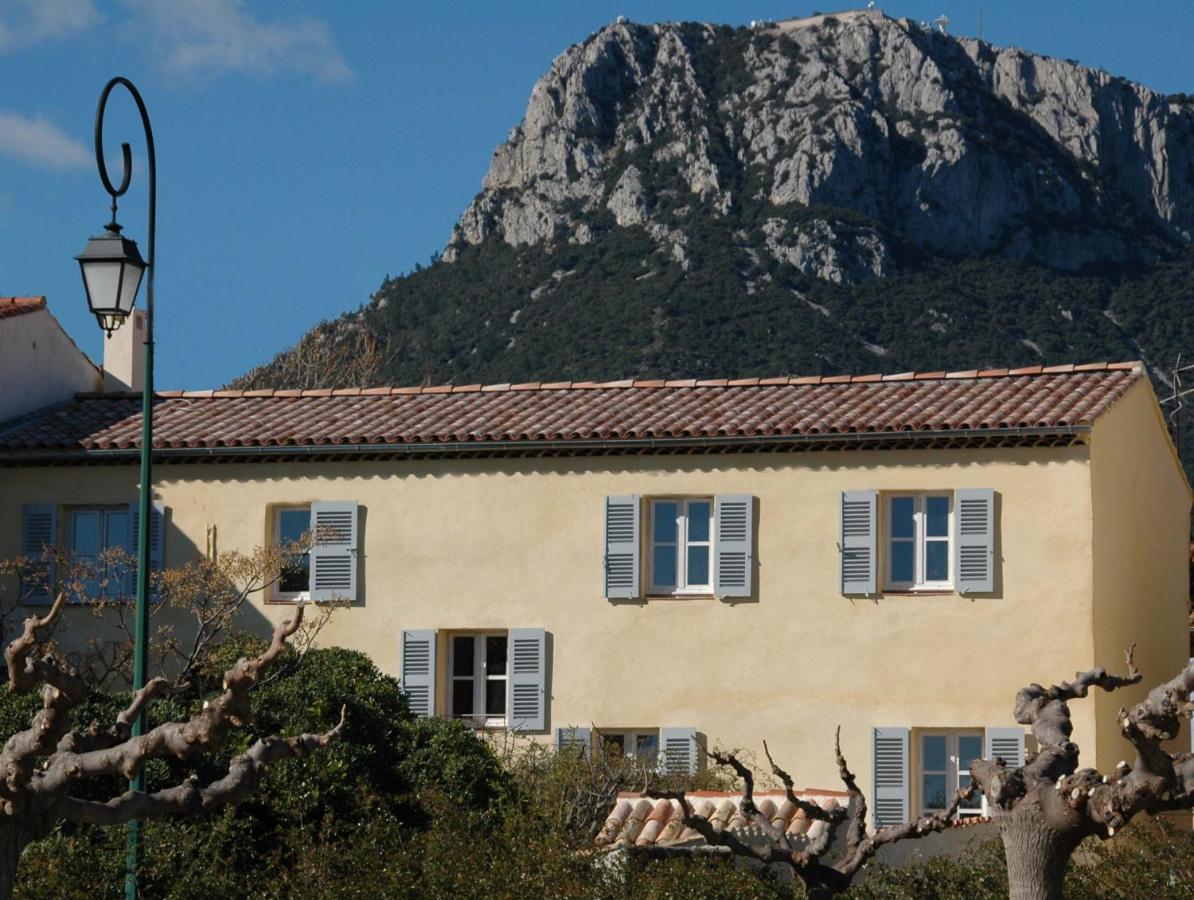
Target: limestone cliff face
[[845, 138]]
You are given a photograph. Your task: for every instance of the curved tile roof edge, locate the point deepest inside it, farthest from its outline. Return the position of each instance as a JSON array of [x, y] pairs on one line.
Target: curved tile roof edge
[[17, 306], [970, 374]]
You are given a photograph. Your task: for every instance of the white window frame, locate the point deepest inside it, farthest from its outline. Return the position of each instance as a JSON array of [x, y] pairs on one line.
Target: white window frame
[[919, 540], [682, 587], [631, 736], [278, 593], [480, 678], [103, 512], [952, 772]]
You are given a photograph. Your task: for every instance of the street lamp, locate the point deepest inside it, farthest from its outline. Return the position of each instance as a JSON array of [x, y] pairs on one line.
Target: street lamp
[[112, 268]]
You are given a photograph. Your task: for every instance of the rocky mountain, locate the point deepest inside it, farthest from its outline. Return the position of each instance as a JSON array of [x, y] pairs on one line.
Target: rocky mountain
[[845, 192]]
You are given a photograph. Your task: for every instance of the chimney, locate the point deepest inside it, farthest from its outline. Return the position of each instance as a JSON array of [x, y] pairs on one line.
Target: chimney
[[124, 355]]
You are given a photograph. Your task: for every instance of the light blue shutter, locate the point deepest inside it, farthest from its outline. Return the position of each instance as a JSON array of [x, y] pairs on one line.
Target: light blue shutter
[[526, 701], [1007, 744], [859, 539], [574, 737], [39, 533], [157, 542], [891, 776], [418, 670], [975, 557], [334, 551], [622, 548], [679, 750], [733, 545]]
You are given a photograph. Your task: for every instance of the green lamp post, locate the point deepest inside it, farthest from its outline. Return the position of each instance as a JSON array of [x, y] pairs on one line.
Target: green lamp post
[[112, 269]]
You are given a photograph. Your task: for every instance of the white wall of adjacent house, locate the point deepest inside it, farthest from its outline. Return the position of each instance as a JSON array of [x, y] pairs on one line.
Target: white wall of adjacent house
[[40, 364]]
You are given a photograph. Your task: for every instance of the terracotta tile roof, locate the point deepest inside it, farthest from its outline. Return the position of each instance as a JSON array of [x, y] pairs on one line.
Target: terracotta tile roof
[[18, 306], [645, 822], [569, 414]]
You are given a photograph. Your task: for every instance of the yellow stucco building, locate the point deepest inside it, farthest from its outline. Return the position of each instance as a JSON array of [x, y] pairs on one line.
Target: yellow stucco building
[[742, 560]]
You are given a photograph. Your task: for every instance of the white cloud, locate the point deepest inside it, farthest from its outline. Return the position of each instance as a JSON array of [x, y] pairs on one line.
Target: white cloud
[[39, 142], [221, 36], [29, 22]]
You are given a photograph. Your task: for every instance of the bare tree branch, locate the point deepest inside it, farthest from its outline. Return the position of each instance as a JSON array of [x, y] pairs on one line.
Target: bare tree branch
[[1046, 712], [189, 798]]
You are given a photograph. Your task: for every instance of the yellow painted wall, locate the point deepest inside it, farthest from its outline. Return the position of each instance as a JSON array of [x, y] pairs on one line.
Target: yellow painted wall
[[506, 543], [1141, 507]]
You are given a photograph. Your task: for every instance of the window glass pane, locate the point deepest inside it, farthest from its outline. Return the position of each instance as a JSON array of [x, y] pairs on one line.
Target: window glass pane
[[970, 748], [462, 656], [646, 747], [120, 569], [495, 697], [933, 753], [937, 516], [902, 568], [495, 655], [116, 535], [462, 697], [902, 510], [698, 566], [85, 535], [936, 560], [296, 570], [293, 524], [664, 566], [933, 791], [700, 513], [613, 743], [665, 521], [296, 574]]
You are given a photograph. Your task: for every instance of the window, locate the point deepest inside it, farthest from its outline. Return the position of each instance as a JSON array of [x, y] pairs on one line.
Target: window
[[681, 546], [100, 549], [497, 679], [918, 541], [292, 526], [478, 689], [945, 759], [641, 745]]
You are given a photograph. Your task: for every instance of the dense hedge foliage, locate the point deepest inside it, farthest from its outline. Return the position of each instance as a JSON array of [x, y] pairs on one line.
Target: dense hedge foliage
[[405, 808]]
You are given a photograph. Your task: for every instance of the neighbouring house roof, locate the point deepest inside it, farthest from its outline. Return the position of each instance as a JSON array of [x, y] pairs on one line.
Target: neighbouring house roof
[[1036, 405], [18, 306], [645, 822]]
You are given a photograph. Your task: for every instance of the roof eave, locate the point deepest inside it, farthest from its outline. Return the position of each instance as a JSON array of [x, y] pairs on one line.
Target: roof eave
[[1025, 436]]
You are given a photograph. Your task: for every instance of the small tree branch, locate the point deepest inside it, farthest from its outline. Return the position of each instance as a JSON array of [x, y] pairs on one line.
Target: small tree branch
[[748, 789], [917, 828], [812, 810]]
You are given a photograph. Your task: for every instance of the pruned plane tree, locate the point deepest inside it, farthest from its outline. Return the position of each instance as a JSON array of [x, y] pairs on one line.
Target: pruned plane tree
[[43, 767], [1044, 809]]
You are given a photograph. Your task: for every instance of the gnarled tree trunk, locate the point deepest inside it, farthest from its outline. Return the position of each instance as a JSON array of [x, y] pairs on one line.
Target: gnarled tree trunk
[[12, 841], [1037, 854]]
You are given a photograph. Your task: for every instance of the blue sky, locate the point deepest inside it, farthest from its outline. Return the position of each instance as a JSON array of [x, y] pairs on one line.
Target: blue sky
[[306, 149]]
